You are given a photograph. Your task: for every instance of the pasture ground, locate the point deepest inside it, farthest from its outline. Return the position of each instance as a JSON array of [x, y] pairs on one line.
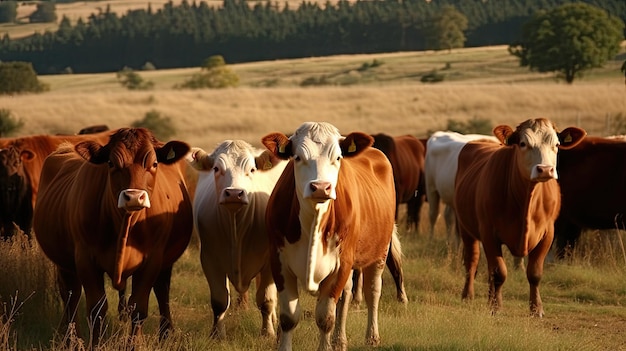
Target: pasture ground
[[583, 300]]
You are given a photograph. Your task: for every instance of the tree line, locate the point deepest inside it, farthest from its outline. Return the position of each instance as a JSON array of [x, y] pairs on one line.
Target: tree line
[[183, 35]]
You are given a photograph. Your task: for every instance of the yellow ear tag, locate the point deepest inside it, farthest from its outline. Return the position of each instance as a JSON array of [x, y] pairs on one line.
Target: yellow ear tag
[[171, 154], [267, 165], [568, 138], [281, 149], [352, 147]]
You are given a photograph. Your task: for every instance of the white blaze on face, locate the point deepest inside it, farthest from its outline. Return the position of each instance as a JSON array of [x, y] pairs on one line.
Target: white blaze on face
[[539, 148]]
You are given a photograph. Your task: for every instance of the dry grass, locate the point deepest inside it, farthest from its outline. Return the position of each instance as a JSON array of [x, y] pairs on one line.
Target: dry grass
[[395, 103]]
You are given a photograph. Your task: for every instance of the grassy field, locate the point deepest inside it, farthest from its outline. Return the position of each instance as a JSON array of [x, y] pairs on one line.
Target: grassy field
[[583, 298]]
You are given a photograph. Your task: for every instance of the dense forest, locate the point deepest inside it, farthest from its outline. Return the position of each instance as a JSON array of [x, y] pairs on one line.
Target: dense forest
[[186, 34]]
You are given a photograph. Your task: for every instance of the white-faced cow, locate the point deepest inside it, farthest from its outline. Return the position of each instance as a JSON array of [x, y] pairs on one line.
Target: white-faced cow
[[331, 211], [15, 191], [234, 185], [508, 195], [119, 209], [442, 153]]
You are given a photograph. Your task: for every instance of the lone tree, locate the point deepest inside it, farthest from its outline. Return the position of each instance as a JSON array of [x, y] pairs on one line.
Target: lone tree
[[446, 28], [569, 39]]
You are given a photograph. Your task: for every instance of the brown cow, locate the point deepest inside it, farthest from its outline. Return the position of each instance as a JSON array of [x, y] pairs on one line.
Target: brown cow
[[15, 192], [508, 195], [34, 149], [331, 211], [406, 154], [120, 209], [586, 202]]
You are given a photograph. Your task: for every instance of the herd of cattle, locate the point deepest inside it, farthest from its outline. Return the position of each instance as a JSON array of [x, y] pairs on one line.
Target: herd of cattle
[[312, 211]]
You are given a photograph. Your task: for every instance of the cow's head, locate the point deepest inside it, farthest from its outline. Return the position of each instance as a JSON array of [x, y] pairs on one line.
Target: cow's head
[[234, 164], [537, 142], [317, 149], [133, 156], [14, 183]]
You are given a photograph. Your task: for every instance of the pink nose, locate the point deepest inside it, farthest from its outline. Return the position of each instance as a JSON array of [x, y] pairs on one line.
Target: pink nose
[[320, 190], [545, 171], [133, 199], [234, 196]]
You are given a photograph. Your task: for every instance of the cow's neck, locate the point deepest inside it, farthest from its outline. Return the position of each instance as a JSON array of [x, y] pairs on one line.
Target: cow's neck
[[526, 197], [323, 252], [237, 227]]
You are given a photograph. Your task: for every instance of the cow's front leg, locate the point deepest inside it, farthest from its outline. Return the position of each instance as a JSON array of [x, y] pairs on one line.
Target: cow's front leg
[[266, 301], [290, 310], [162, 293], [95, 298], [534, 273], [219, 289]]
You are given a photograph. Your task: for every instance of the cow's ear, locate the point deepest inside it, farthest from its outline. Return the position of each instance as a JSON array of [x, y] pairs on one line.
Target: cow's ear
[[172, 151], [278, 144], [266, 160], [92, 152], [570, 137], [27, 155], [506, 135], [199, 159], [354, 143]]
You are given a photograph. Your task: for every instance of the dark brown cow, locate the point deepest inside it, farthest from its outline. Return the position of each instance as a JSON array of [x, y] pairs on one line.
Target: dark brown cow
[[331, 211], [406, 154], [120, 209], [15, 191], [508, 195], [587, 202], [33, 151]]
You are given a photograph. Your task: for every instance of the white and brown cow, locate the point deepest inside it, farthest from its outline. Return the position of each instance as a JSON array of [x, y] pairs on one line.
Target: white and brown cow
[[331, 211], [441, 163], [234, 185], [120, 209], [508, 195]]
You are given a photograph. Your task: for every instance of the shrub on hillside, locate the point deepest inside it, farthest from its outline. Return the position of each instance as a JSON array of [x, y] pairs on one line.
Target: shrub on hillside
[[160, 125], [9, 124], [132, 80], [19, 77], [432, 77], [215, 75]]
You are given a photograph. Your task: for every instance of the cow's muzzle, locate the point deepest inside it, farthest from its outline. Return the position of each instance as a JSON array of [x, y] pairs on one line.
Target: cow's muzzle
[[542, 173], [320, 190], [133, 200], [234, 198]]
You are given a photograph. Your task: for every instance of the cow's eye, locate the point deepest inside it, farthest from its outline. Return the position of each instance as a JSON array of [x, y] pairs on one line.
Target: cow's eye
[[253, 170], [110, 163], [338, 158], [522, 144], [215, 169], [155, 164], [297, 158]]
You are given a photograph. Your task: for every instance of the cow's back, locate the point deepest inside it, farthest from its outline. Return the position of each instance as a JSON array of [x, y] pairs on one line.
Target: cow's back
[[408, 166]]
